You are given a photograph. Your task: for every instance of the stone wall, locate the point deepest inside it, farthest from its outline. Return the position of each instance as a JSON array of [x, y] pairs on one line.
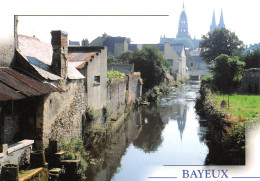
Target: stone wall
[[10, 129], [17, 120], [18, 153], [134, 87], [59, 115], [116, 97], [251, 82]]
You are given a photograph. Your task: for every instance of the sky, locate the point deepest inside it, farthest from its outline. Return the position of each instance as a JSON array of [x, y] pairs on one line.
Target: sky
[[240, 17]]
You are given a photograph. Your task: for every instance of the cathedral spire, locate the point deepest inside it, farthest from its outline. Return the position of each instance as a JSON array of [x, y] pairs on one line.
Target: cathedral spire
[[213, 23], [221, 21], [183, 25]]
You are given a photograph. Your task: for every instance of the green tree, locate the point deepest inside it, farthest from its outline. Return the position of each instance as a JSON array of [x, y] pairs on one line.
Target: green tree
[[252, 59], [152, 65], [219, 41], [227, 73], [125, 57], [111, 59]]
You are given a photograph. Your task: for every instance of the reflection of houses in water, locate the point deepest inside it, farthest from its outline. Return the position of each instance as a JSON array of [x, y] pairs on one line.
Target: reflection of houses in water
[[112, 151]]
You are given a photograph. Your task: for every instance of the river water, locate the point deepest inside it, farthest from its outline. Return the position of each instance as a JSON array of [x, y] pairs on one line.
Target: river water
[[168, 133]]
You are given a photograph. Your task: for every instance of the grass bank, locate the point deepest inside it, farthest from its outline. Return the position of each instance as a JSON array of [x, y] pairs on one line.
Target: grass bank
[[242, 106]]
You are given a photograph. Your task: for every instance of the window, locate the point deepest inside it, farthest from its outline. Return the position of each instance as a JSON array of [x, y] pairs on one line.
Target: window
[[96, 80], [191, 64]]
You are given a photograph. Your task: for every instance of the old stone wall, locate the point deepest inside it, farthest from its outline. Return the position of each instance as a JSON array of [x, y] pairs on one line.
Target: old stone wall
[[251, 82], [116, 97], [10, 129], [134, 87], [17, 120], [60, 116], [18, 153]]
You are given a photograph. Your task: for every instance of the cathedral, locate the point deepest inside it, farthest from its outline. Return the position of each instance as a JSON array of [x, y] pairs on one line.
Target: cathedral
[[221, 24], [183, 35], [183, 31]]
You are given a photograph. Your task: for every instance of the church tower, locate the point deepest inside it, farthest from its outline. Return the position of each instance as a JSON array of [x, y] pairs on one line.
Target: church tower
[[183, 25], [213, 25], [221, 21]]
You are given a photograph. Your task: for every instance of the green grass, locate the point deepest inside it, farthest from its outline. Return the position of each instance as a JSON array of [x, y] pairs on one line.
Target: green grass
[[247, 106]]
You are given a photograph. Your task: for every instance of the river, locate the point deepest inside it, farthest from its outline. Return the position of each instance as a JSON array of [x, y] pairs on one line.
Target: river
[[164, 134]]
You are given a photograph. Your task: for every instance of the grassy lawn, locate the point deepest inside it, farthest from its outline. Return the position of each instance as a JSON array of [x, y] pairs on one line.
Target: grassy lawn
[[246, 106]]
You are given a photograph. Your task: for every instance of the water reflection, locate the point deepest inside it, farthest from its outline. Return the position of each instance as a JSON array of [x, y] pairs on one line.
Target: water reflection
[[167, 133], [150, 137]]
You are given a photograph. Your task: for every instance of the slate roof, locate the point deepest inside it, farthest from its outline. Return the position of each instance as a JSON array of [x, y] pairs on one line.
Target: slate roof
[[132, 47], [80, 56], [177, 48], [14, 86], [74, 43], [39, 56], [111, 41], [198, 59]]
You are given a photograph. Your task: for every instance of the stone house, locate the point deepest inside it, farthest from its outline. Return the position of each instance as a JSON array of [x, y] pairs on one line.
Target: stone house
[[19, 95], [58, 115], [181, 63], [197, 68], [92, 63], [174, 53], [19, 98], [115, 45]]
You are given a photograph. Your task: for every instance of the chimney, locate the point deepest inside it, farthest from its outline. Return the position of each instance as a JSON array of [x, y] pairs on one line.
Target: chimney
[[59, 43]]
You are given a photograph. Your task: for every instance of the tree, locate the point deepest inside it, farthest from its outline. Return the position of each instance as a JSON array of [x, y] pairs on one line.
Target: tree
[[252, 59], [125, 57], [227, 73], [111, 59], [151, 63], [219, 41]]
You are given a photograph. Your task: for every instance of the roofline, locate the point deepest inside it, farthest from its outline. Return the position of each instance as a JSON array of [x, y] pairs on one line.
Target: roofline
[[85, 49], [26, 36]]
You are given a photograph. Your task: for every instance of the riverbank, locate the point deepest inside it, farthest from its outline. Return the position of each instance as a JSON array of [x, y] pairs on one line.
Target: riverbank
[[156, 134], [226, 132]]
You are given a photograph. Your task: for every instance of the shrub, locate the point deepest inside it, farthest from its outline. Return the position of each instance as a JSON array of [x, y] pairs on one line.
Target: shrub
[[153, 95], [91, 114], [76, 150], [106, 113], [113, 74], [208, 82], [234, 138], [227, 73]]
